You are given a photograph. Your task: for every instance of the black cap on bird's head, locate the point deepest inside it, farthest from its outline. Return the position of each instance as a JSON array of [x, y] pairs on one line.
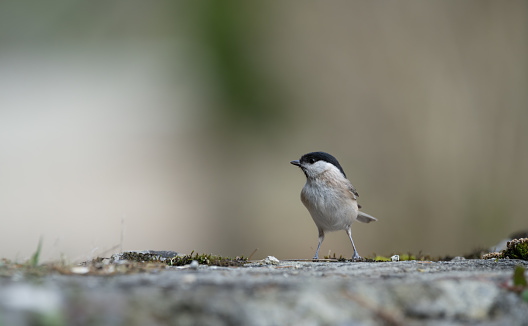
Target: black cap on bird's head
[[313, 157]]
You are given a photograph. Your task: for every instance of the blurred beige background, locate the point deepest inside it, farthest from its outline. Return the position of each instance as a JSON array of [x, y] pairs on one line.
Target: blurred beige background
[[170, 125]]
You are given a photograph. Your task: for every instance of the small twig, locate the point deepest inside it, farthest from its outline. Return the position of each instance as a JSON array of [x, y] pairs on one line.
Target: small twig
[[122, 234], [254, 251]]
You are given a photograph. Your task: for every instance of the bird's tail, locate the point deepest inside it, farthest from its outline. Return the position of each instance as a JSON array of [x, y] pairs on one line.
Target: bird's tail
[[365, 218]]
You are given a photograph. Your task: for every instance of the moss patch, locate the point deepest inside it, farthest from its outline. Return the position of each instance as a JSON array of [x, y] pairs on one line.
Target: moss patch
[[515, 249]]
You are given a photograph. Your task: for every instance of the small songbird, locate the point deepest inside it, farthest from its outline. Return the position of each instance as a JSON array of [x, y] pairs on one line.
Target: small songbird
[[329, 197]]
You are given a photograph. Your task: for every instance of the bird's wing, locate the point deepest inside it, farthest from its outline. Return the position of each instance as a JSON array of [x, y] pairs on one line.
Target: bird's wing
[[352, 190]]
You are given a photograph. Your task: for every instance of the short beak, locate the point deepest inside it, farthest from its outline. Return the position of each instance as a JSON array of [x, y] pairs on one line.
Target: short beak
[[296, 162]]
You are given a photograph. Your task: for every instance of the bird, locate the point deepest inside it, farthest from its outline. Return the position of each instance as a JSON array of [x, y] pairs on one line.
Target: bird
[[329, 196]]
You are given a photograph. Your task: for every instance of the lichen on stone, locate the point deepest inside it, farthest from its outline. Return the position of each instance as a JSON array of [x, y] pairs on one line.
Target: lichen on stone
[[206, 259], [179, 259]]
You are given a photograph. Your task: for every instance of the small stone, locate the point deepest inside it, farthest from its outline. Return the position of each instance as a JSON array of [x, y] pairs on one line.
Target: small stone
[[194, 264], [270, 260], [458, 258], [80, 270]]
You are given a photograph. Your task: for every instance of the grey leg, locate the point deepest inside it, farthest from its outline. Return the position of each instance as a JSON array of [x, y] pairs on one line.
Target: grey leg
[[321, 238], [356, 255]]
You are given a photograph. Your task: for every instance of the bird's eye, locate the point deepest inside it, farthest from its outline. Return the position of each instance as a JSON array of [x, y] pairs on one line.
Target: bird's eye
[[311, 160]]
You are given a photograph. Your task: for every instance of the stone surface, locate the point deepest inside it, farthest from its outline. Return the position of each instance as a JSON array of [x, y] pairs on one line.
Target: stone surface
[[290, 293]]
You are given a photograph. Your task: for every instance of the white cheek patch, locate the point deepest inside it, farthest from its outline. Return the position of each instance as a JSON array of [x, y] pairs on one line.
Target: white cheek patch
[[321, 166]]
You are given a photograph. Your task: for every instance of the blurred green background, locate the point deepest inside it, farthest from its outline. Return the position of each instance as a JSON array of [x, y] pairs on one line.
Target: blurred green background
[[170, 125]]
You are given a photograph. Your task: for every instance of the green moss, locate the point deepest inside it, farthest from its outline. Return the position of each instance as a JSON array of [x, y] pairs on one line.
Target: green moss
[[381, 258], [516, 249], [407, 257]]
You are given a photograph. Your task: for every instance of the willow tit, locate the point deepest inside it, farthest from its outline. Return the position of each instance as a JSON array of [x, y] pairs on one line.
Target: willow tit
[[329, 197]]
